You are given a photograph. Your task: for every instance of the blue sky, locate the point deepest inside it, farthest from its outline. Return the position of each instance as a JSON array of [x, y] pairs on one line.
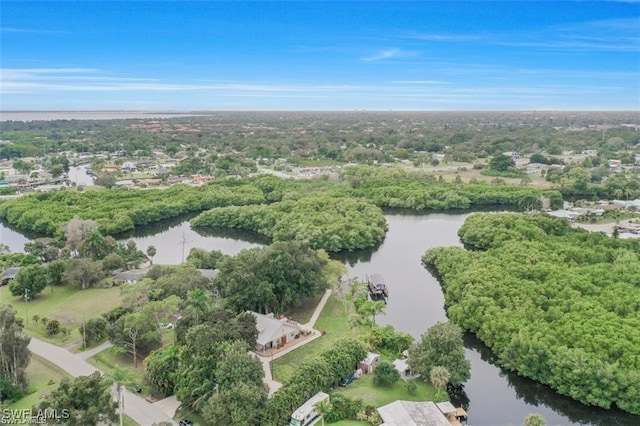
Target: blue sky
[[419, 55]]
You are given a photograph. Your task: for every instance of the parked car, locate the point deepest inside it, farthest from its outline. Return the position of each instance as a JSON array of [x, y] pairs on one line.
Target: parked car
[[185, 422], [350, 378]]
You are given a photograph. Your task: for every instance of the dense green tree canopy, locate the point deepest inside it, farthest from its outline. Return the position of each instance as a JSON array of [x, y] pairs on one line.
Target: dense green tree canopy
[[325, 214], [87, 400], [556, 304], [333, 224], [501, 163], [441, 346], [271, 278], [29, 282]]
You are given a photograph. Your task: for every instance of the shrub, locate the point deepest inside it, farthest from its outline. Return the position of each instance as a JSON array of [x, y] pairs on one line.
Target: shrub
[[385, 374], [53, 327]]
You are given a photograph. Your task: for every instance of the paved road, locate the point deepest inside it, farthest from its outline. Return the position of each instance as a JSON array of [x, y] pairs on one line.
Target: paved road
[[141, 411], [91, 352]]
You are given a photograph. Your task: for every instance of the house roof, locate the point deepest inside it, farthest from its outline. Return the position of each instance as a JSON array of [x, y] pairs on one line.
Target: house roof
[[401, 365], [446, 407], [9, 273], [132, 275], [371, 357], [270, 328], [208, 273], [409, 413]]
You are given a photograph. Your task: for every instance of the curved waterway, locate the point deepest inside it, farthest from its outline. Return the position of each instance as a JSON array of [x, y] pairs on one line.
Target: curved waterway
[[495, 396]]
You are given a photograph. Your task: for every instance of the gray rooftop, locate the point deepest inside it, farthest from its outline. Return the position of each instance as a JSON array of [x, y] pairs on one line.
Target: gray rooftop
[[408, 413], [270, 328], [208, 273], [9, 273], [132, 275]]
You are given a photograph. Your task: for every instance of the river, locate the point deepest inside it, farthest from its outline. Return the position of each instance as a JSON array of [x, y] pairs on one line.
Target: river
[[496, 397]]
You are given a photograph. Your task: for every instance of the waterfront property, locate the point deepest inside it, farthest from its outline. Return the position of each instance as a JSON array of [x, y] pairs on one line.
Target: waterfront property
[[410, 413], [274, 333], [402, 367]]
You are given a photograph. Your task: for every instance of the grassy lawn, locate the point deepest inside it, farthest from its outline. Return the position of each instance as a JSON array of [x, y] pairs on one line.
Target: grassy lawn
[[110, 359], [334, 321], [380, 395], [44, 377], [67, 304], [303, 313], [320, 163]]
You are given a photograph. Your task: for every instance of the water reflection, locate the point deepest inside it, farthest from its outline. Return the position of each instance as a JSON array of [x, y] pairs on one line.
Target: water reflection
[[15, 239], [352, 258], [174, 238], [233, 234], [526, 396], [494, 396]]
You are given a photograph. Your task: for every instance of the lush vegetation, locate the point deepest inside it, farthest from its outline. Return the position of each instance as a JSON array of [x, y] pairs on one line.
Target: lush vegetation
[[325, 214], [395, 188], [441, 346], [14, 356], [270, 279], [84, 400], [556, 304], [333, 224], [118, 210], [320, 373]]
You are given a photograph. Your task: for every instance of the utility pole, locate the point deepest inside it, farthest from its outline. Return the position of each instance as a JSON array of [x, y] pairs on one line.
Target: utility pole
[[184, 243], [84, 332], [26, 301]]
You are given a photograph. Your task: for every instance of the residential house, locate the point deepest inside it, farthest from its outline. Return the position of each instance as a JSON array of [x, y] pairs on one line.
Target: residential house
[[409, 413], [211, 275], [402, 366], [273, 333], [8, 275], [130, 277]]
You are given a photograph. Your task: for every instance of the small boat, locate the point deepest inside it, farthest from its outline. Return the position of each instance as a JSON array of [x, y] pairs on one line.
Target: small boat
[[377, 287]]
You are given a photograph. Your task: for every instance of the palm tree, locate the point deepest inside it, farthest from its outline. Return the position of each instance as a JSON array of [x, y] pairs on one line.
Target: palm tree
[[93, 245], [373, 308], [198, 300], [121, 377], [324, 407], [439, 377], [357, 320]]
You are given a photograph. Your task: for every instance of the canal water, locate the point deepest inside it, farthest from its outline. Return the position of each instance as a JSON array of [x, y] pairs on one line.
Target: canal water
[[495, 396]]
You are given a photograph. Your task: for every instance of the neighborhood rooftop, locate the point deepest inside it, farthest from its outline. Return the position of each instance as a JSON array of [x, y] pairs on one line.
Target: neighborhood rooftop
[[409, 413]]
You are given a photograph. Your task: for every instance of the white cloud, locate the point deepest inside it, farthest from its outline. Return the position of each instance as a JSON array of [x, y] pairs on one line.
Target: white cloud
[[385, 54]]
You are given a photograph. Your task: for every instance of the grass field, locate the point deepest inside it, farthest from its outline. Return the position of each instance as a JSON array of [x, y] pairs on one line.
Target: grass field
[[67, 304], [320, 163], [110, 359], [302, 314], [381, 395], [334, 321], [43, 377]]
